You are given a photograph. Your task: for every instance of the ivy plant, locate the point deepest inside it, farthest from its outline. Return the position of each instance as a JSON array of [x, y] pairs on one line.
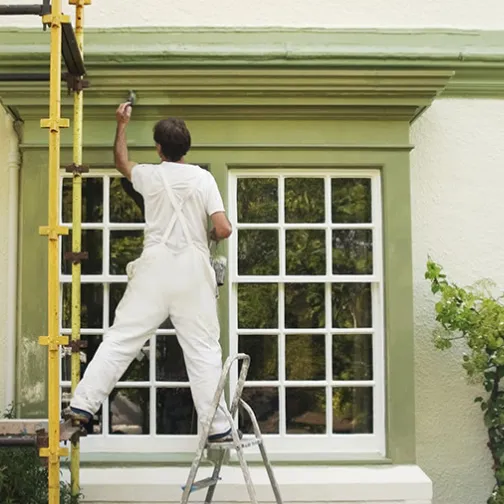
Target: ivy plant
[[475, 316]]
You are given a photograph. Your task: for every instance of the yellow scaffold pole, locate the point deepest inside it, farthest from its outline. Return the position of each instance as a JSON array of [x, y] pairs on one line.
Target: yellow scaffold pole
[[77, 168], [53, 231]]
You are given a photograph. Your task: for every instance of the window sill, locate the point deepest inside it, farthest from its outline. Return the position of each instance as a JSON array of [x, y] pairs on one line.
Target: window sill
[[394, 484]]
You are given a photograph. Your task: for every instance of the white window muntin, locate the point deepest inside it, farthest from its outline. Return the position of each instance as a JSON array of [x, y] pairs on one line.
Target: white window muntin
[[315, 445]]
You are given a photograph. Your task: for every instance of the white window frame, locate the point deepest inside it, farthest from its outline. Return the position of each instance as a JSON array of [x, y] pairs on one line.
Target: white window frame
[[118, 443], [316, 446]]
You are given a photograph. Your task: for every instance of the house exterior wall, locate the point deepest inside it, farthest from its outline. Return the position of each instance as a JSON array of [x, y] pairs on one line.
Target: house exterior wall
[[456, 195], [292, 13]]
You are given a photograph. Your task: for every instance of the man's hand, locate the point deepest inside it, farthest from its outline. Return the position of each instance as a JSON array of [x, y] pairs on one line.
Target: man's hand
[[123, 114]]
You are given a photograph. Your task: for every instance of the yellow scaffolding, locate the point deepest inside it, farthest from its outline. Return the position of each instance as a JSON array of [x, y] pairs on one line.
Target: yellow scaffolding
[[53, 231], [77, 253]]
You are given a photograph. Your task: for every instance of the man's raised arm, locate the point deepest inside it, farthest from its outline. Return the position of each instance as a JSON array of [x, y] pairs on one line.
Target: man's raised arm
[[121, 159]]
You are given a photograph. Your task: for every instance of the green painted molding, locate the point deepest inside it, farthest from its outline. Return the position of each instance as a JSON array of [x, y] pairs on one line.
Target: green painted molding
[[231, 73], [476, 58]]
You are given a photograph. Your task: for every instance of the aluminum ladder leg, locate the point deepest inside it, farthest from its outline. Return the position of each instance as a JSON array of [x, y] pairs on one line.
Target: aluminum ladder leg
[[237, 444]]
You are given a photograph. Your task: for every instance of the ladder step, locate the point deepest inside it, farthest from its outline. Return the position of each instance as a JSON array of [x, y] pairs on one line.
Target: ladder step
[[204, 483], [245, 443]]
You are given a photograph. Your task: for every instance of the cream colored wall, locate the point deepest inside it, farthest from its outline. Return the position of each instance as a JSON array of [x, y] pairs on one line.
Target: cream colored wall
[[8, 149], [458, 218], [295, 13]]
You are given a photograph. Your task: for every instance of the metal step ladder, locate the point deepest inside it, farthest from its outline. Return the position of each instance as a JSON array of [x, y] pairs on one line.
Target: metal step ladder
[[237, 444]]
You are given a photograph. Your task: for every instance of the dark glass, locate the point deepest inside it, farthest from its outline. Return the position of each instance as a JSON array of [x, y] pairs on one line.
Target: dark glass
[[257, 306], [91, 306], [304, 305], [257, 200], [306, 410], [129, 411], [351, 305], [257, 252], [264, 402], [92, 243], [353, 410], [351, 200], [170, 365], [305, 252], [352, 252], [126, 205], [92, 199], [116, 292], [125, 246], [352, 357], [304, 200], [263, 351], [175, 412], [305, 357]]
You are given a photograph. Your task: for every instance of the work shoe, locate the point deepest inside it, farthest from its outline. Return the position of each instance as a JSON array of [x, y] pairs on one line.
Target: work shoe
[[224, 437], [77, 415]]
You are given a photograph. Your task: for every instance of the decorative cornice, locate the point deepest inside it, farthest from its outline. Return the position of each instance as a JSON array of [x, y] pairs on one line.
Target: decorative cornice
[[210, 72]]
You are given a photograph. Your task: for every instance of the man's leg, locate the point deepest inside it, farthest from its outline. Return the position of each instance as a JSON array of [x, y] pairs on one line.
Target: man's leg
[[141, 310], [194, 316]]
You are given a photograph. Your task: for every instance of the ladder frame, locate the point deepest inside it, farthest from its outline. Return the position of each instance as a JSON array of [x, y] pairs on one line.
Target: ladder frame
[[237, 444]]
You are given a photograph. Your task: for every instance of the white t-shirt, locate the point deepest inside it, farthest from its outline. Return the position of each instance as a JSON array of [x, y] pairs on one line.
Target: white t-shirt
[[184, 179]]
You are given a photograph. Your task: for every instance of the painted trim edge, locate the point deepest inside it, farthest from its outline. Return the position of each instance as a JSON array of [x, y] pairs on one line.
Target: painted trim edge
[[475, 57]]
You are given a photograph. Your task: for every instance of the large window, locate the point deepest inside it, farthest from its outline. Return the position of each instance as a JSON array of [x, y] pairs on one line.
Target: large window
[[305, 302], [306, 305], [152, 401]]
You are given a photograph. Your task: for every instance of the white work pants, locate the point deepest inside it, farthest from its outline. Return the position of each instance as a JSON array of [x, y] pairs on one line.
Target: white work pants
[[162, 283]]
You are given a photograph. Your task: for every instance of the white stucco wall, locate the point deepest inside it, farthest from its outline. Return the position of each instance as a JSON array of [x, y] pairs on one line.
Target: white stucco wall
[[458, 218], [7, 149], [298, 13]]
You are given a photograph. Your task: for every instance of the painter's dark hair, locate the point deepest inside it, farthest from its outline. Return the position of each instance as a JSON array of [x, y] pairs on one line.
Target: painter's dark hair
[[173, 137]]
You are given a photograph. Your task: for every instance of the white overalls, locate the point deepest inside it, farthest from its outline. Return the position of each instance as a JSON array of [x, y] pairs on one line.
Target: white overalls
[[163, 283]]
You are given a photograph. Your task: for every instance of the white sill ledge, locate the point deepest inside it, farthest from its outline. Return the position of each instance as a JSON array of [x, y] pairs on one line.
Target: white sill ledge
[[399, 484]]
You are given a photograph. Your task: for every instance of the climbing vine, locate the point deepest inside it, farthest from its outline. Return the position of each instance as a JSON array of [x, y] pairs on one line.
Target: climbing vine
[[476, 316]]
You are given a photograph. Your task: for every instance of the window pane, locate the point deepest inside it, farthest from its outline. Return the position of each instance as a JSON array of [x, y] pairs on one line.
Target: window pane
[[257, 199], [125, 206], [257, 252], [352, 252], [86, 354], [92, 199], [92, 243], [353, 410], [175, 412], [129, 411], [351, 304], [170, 365], [305, 252], [305, 357], [257, 306], [352, 357], [304, 305], [264, 402], [91, 306], [263, 351], [306, 410], [125, 246], [116, 293], [351, 200], [304, 200]]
